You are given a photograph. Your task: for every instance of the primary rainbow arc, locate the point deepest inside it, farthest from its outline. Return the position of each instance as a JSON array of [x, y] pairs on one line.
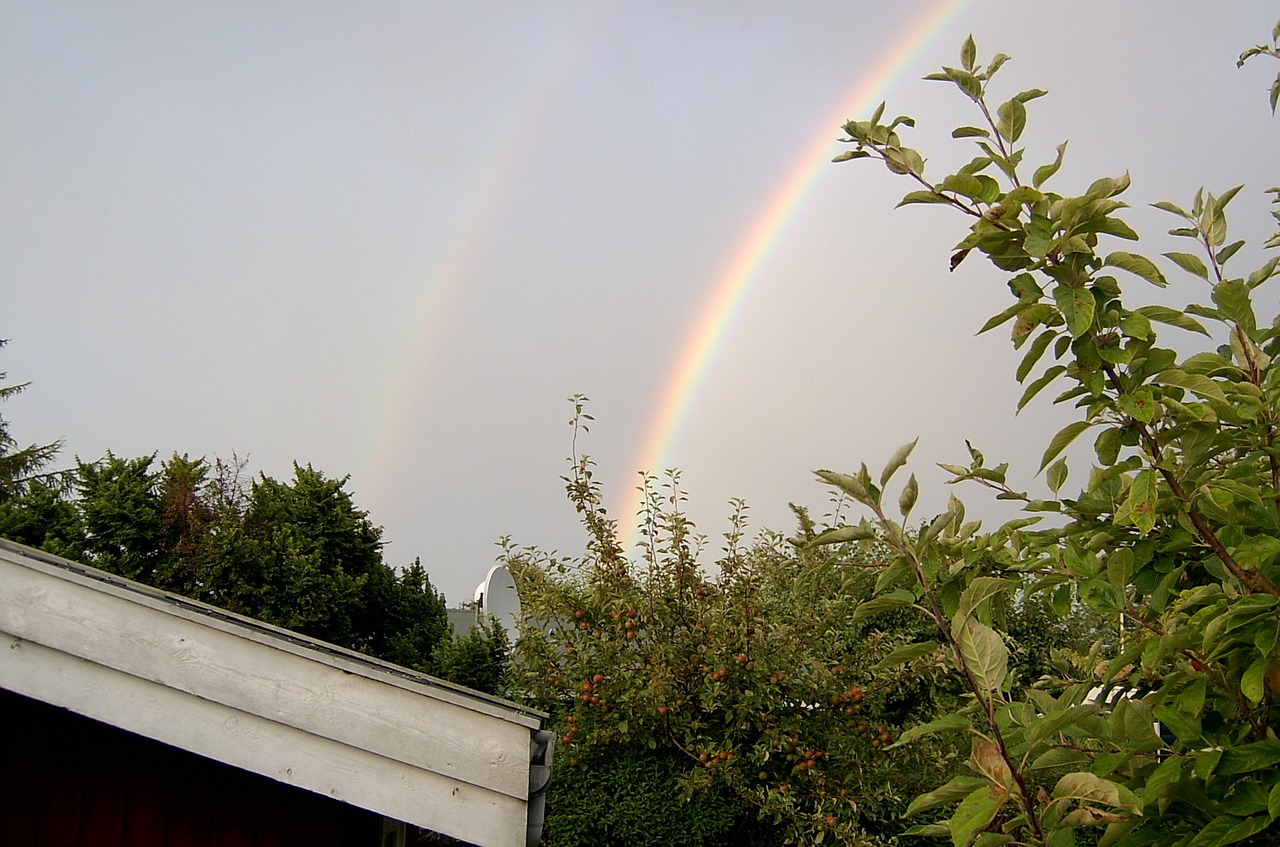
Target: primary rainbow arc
[[716, 315]]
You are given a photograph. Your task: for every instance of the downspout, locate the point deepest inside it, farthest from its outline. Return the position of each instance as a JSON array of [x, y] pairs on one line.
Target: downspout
[[542, 745]]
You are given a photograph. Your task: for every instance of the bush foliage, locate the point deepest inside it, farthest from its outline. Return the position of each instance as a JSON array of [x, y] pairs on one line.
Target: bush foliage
[[761, 695]]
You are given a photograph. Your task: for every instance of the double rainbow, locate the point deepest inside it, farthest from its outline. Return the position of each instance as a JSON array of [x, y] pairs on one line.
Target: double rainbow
[[437, 298]]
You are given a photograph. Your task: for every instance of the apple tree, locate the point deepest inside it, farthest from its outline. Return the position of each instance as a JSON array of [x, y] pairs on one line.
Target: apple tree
[[1167, 734], [754, 700]]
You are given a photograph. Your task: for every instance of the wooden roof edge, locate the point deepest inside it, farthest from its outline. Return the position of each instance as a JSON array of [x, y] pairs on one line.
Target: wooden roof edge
[[277, 637]]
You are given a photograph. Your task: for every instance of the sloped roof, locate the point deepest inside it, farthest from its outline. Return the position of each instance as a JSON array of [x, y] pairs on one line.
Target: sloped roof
[[369, 733]]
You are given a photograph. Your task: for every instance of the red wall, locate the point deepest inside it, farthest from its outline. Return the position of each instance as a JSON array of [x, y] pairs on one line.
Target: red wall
[[68, 781]]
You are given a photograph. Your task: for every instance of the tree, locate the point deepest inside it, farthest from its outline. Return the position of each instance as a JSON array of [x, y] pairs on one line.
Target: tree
[[20, 466], [1264, 50], [43, 516], [476, 659], [749, 702], [1177, 528], [299, 555], [122, 514]]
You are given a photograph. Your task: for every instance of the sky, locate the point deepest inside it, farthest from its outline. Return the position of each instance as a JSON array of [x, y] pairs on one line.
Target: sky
[[391, 239]]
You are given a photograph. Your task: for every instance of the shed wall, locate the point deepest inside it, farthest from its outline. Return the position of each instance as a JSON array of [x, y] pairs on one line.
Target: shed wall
[[69, 781]]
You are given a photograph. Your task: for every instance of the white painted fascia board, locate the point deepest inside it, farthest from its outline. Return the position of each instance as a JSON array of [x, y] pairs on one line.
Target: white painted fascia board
[[159, 648], [276, 637]]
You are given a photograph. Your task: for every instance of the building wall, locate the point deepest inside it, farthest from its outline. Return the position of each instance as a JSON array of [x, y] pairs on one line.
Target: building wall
[[68, 781]]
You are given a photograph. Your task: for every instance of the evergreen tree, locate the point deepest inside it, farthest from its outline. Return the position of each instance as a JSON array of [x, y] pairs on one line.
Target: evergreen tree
[[20, 466]]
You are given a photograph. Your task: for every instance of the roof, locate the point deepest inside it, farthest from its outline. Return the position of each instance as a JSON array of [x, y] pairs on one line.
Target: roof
[[366, 732]]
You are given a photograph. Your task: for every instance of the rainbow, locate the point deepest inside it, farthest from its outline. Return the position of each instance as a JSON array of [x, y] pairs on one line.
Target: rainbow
[[716, 315], [444, 279]]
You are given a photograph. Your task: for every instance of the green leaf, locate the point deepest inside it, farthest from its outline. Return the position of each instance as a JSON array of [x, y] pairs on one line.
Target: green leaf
[[903, 160], [1252, 683], [1140, 405], [968, 53], [876, 605], [1057, 475], [1257, 551], [939, 523], [1189, 262], [897, 460], [1263, 273], [1136, 326], [1013, 119], [1043, 172], [1061, 441], [1197, 383], [1203, 766], [921, 197], [983, 588], [1086, 786], [966, 82], [1023, 195], [906, 654], [1185, 727], [1226, 196], [976, 165], [1038, 384], [1143, 495], [996, 320], [1228, 829], [842, 534], [897, 571], [1166, 206], [1232, 297], [1120, 568], [1077, 306], [907, 499], [955, 790], [947, 723], [975, 812], [1139, 265], [970, 132], [1055, 722], [1249, 757], [975, 187], [1030, 318], [1058, 758], [1191, 699], [1171, 317], [1107, 446], [1225, 254], [1167, 773], [1265, 636], [848, 484], [929, 830], [1034, 352], [1100, 596], [984, 654], [1238, 490]]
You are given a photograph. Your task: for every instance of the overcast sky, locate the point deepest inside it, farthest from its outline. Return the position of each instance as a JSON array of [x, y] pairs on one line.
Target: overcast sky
[[389, 239]]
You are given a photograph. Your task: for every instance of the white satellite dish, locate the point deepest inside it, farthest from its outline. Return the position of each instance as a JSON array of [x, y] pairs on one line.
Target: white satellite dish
[[497, 597]]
